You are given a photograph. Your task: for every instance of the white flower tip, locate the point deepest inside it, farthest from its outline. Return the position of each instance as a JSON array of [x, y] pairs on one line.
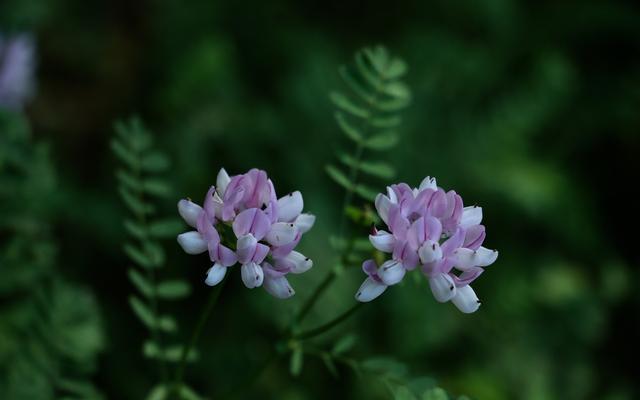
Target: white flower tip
[[471, 216], [391, 272], [299, 262], [369, 290], [382, 241], [189, 211], [252, 275], [442, 287], [222, 180], [290, 206], [281, 233], [279, 287], [192, 242], [428, 183], [215, 274], [466, 300], [305, 222], [382, 204]]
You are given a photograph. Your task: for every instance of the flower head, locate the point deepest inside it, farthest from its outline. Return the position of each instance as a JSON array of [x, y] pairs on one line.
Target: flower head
[[16, 71], [429, 228], [243, 221]]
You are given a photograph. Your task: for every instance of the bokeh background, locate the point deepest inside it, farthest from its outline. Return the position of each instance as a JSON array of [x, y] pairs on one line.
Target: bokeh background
[[528, 109]]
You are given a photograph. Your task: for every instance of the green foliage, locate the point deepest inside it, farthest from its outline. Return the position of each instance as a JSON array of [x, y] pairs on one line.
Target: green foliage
[[50, 337], [368, 116], [140, 185]]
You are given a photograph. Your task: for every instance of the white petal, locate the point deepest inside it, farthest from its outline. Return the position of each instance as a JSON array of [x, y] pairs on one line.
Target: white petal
[[278, 287], [222, 181], [369, 290], [252, 275], [429, 252], [466, 300], [428, 183], [486, 256], [300, 263], [382, 205], [192, 242], [391, 272], [290, 206], [442, 287], [383, 241], [281, 233], [393, 197], [467, 258], [304, 222], [189, 211], [471, 216], [215, 274]]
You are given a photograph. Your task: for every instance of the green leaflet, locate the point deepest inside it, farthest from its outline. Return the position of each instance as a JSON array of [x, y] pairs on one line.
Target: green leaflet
[[345, 104], [175, 289], [344, 344], [171, 353], [140, 282], [347, 128], [155, 162], [165, 228], [378, 169], [339, 177], [382, 141], [142, 311], [296, 361]]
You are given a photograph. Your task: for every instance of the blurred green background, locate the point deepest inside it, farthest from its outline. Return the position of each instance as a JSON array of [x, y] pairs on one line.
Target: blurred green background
[[527, 109]]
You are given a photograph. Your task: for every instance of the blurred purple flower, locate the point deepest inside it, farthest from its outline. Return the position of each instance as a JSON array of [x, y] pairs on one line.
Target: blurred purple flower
[[17, 65], [431, 228], [245, 212]]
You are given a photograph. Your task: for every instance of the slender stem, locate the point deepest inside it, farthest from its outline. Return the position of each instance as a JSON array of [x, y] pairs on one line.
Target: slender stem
[[204, 316], [327, 326]]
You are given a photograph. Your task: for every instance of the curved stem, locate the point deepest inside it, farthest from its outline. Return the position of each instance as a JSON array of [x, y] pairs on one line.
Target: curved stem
[[327, 326], [204, 316]]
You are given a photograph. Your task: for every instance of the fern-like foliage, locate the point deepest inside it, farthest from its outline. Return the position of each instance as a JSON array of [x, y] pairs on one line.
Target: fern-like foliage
[[141, 187], [394, 375], [368, 114], [50, 328]]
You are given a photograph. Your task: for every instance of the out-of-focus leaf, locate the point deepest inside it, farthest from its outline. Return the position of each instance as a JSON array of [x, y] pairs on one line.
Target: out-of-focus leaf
[[382, 141], [296, 361], [339, 177], [345, 104], [140, 282], [344, 344], [174, 289]]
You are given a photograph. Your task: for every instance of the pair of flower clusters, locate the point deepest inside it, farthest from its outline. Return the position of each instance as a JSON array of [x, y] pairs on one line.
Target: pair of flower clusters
[[243, 221], [429, 228]]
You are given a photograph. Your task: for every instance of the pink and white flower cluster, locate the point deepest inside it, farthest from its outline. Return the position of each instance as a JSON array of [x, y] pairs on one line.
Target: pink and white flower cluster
[[429, 228], [243, 221]]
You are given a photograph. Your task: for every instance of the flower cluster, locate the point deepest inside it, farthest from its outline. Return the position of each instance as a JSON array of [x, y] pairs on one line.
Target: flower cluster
[[243, 221], [430, 228], [16, 71]]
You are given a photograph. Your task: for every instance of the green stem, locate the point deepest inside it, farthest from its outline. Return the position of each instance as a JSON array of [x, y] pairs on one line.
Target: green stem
[[204, 316], [327, 326]]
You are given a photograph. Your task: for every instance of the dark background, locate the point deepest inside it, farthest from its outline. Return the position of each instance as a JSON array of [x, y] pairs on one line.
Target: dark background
[[528, 109]]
